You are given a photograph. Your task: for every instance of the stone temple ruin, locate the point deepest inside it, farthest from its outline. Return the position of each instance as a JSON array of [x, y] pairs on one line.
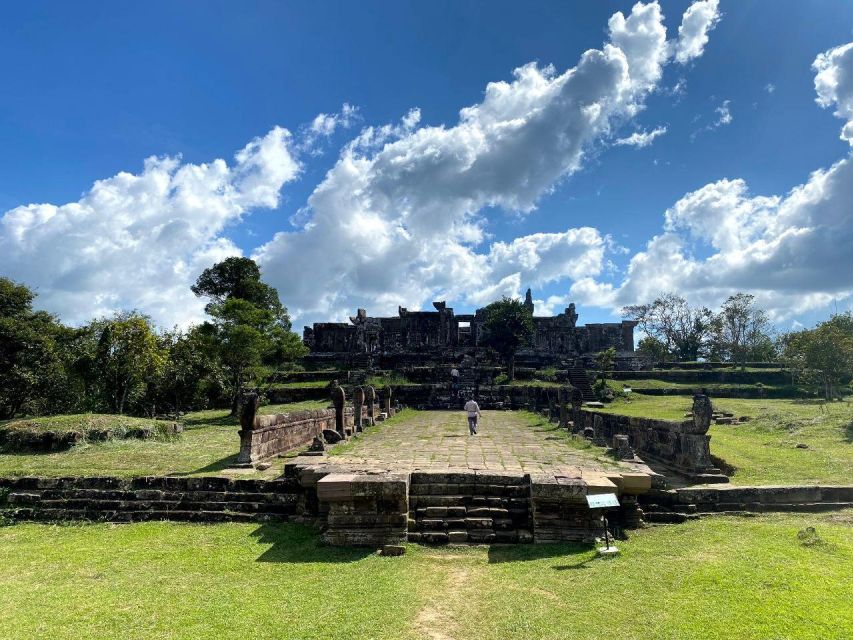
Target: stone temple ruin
[[421, 337]]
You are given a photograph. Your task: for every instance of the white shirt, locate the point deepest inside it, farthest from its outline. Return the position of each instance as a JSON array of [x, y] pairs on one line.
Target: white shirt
[[454, 373], [472, 408]]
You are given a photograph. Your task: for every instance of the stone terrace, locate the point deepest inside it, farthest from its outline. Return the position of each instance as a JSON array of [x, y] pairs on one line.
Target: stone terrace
[[438, 440]]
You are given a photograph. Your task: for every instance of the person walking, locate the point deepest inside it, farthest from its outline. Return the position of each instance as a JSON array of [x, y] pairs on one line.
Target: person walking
[[473, 410]]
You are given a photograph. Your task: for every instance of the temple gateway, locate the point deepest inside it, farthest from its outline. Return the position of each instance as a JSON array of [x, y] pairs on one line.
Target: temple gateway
[[430, 335]]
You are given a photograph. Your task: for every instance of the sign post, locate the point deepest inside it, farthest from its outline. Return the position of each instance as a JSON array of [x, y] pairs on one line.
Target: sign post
[[604, 501]]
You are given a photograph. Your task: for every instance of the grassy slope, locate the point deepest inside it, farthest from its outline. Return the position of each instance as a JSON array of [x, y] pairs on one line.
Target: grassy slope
[[208, 445], [83, 422], [764, 449], [711, 579]]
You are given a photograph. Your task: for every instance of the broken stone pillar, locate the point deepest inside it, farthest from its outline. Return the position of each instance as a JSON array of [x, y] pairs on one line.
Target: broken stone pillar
[[622, 447], [552, 408], [702, 410], [339, 400], [358, 404], [562, 396]]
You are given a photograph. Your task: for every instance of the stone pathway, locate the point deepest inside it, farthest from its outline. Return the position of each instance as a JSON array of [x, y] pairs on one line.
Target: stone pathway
[[507, 441]]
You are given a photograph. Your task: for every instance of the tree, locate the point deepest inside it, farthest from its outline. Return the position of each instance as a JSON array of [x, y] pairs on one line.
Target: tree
[[31, 367], [507, 327], [741, 331], [824, 353], [653, 349], [250, 325], [191, 373], [604, 362], [685, 331], [239, 278], [128, 358]]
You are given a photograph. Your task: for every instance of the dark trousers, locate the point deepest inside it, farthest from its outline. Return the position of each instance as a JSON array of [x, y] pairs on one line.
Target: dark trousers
[[472, 424]]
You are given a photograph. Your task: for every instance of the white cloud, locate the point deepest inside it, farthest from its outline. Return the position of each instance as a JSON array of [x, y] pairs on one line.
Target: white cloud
[[699, 19], [641, 139], [140, 240], [770, 87], [834, 84], [324, 125], [723, 118], [402, 210], [793, 251]]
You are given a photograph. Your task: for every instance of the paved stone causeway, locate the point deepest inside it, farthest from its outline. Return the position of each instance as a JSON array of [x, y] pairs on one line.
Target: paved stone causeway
[[508, 441]]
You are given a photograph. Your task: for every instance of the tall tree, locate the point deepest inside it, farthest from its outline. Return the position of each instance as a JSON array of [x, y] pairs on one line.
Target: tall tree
[[508, 326], [32, 374], [741, 330], [128, 358], [684, 330], [251, 325]]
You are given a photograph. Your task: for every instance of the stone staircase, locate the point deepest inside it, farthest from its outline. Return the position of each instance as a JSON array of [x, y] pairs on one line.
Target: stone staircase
[[457, 508], [579, 380]]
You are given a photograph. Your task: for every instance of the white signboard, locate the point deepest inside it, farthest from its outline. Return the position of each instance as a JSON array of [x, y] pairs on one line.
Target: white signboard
[[602, 501]]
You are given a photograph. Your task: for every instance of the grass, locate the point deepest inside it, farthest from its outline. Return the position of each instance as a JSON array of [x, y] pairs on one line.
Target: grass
[[749, 578], [347, 447], [208, 445], [82, 422], [309, 384], [764, 450]]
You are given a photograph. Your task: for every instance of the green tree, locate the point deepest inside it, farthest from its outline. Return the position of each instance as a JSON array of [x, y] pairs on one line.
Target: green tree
[[604, 362], [507, 327], [653, 349], [128, 358], [32, 374], [824, 353], [251, 326]]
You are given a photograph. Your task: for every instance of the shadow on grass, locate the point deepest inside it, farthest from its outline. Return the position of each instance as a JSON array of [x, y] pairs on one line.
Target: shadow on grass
[[199, 422], [213, 467], [294, 543], [848, 432], [527, 552]]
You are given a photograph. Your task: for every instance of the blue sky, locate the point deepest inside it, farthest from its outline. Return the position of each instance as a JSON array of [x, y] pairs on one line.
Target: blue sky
[[93, 89]]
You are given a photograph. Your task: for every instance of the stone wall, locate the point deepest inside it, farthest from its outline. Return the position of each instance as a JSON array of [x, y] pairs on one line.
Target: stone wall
[[149, 498], [682, 446], [268, 435]]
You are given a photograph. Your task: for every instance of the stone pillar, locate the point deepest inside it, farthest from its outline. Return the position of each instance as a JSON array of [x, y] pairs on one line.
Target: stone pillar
[[702, 410], [339, 400], [371, 405], [386, 401], [562, 396], [248, 410], [552, 409], [358, 404], [577, 403]]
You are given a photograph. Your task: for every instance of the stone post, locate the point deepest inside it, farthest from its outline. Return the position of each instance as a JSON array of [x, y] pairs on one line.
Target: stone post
[[339, 400], [702, 410], [386, 401], [562, 396], [358, 404], [577, 403], [371, 405], [248, 410], [552, 409]]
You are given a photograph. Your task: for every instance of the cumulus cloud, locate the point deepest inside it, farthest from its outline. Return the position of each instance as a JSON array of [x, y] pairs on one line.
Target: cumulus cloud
[[792, 251], [402, 209], [699, 19], [641, 139], [834, 84], [140, 240]]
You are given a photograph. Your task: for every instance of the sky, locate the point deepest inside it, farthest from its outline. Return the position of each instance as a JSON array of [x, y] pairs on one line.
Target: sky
[[385, 154]]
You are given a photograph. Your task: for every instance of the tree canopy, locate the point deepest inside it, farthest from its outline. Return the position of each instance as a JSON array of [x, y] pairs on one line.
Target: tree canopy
[[508, 326]]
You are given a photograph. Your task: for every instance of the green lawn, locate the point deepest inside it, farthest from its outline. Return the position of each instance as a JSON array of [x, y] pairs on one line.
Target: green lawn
[[208, 445], [764, 449], [717, 578]]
